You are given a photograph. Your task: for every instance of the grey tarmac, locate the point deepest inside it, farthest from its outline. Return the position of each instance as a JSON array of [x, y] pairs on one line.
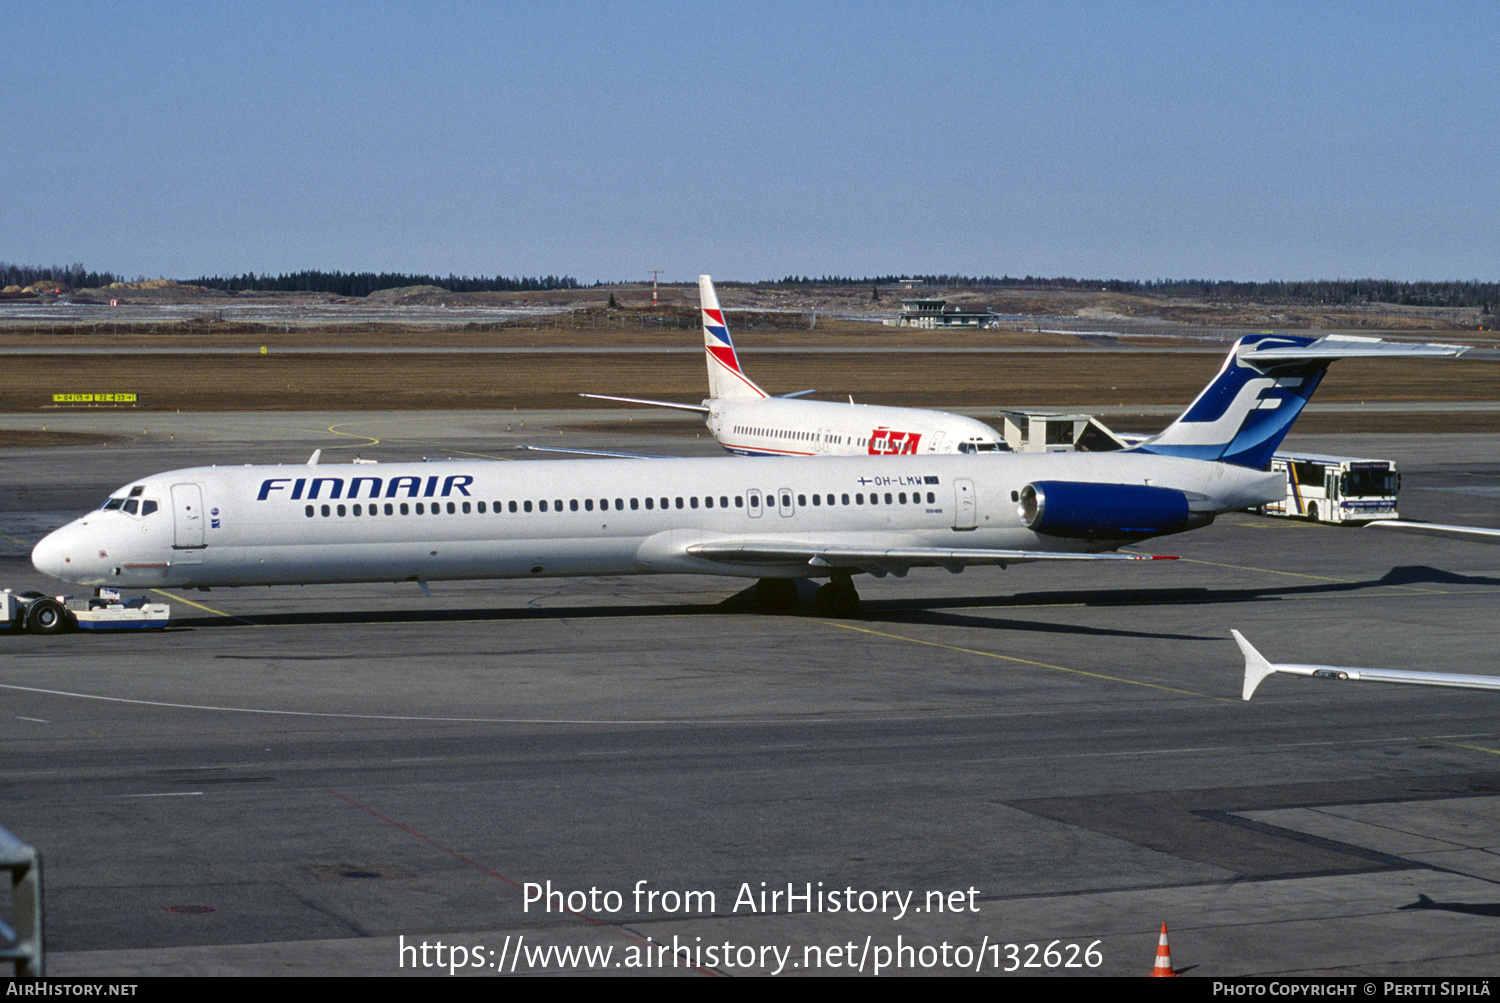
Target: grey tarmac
[[313, 780]]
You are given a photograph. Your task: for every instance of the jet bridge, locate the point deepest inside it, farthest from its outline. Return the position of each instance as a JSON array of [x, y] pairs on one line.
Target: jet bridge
[[1050, 432]]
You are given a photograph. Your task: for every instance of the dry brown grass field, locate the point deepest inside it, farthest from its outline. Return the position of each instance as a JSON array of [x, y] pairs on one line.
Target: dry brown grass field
[[990, 382], [365, 375]]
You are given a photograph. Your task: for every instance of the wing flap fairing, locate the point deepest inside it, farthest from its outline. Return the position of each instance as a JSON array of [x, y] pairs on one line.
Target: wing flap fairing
[[890, 560]]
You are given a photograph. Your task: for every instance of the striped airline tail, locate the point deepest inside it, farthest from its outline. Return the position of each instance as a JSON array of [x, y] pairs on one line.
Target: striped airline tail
[[725, 378]]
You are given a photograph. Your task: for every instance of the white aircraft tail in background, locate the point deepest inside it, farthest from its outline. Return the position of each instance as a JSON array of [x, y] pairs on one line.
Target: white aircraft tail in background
[[748, 421], [726, 380]]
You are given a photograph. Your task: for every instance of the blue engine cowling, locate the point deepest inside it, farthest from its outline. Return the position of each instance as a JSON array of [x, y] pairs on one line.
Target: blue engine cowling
[[1105, 511]]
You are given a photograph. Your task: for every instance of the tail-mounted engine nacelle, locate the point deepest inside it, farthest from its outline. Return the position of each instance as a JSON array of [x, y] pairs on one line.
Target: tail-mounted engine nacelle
[[1105, 511]]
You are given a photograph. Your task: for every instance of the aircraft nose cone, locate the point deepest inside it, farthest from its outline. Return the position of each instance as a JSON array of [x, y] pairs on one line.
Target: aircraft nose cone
[[51, 556]]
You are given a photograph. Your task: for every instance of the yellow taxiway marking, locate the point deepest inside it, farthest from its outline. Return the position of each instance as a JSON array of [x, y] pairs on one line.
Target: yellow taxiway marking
[[1024, 661], [1475, 748], [369, 440], [1298, 574], [482, 456], [275, 712], [15, 539], [1275, 524], [206, 609]]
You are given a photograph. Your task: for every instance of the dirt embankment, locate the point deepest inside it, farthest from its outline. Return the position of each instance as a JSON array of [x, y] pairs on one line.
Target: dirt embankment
[[805, 302]]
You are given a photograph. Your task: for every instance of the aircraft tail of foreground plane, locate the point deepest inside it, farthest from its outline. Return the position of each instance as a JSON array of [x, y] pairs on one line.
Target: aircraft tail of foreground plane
[[1475, 534], [1257, 668], [1242, 416]]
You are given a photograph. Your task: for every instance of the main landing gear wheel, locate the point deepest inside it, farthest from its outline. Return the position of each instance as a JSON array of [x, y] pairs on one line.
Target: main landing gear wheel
[[776, 595], [838, 598], [46, 616]]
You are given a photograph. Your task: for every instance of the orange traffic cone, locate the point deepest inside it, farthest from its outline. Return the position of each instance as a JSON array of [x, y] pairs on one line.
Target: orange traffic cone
[[1163, 969]]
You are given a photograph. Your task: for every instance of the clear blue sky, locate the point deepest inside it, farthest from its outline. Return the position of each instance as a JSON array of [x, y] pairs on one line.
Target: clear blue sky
[[754, 140]]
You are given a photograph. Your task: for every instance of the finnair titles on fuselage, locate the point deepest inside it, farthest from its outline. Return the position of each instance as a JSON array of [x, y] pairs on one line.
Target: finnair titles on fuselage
[[747, 420], [775, 520]]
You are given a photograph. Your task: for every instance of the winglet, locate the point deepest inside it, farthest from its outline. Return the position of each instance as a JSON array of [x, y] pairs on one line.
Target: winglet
[[1256, 666]]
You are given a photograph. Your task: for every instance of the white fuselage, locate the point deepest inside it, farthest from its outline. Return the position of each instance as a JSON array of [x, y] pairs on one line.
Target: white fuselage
[[776, 426], [462, 519]]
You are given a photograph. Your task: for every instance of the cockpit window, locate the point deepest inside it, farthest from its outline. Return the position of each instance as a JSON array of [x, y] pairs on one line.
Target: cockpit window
[[134, 506]]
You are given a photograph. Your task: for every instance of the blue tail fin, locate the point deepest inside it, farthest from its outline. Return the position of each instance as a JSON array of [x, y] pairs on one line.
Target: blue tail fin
[[1242, 416]]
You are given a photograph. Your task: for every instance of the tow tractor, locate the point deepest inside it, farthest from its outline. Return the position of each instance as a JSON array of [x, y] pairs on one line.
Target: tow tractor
[[37, 613]]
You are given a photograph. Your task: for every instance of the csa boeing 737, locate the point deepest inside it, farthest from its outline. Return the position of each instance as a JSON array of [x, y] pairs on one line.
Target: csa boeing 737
[[776, 520], [747, 420]]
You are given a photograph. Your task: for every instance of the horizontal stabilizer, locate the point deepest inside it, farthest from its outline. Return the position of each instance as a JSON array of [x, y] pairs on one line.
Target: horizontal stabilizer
[[1478, 534], [636, 400], [1258, 668], [1242, 416], [1344, 346], [592, 452]]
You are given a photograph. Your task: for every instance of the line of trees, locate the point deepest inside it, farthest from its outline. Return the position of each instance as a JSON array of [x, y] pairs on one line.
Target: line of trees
[[1338, 292], [1334, 292], [73, 276], [364, 283]]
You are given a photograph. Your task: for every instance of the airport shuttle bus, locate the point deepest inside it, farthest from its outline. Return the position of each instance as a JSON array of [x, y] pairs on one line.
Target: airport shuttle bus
[[1335, 488]]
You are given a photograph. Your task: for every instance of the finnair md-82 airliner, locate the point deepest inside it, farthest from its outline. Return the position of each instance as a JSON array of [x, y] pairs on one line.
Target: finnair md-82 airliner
[[775, 520], [747, 420]]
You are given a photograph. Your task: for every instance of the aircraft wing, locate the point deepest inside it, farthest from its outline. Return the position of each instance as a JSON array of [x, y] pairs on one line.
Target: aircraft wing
[[881, 561], [636, 400], [1478, 534], [1258, 668]]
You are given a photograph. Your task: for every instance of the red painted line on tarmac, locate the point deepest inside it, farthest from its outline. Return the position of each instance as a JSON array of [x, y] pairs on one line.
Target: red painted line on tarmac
[[428, 839]]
